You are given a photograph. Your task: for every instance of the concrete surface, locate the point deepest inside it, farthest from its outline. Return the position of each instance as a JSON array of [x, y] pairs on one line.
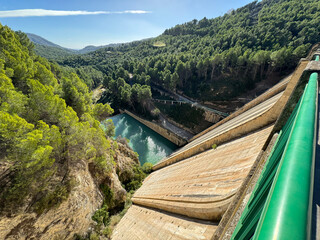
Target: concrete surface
[[203, 186], [142, 223]]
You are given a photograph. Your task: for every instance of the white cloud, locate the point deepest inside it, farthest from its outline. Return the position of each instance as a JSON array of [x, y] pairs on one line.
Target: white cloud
[[44, 12]]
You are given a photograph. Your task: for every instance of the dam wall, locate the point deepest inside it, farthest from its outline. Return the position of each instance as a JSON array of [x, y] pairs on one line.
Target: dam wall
[[199, 191], [202, 186], [172, 137], [237, 206], [211, 116]]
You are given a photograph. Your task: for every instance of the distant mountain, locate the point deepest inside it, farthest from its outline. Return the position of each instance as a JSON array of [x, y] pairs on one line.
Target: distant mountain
[[50, 50], [40, 40], [92, 48]]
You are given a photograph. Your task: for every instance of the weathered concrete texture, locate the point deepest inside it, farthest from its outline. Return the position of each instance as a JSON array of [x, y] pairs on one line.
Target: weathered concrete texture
[[211, 116], [179, 141], [313, 66], [239, 202], [141, 223], [203, 186], [253, 119]]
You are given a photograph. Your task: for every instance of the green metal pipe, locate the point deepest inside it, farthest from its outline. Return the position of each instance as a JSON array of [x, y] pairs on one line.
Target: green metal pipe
[[249, 219], [287, 212], [317, 58]]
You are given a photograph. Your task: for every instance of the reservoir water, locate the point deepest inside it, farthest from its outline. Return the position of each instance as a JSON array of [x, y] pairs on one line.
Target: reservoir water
[[150, 146]]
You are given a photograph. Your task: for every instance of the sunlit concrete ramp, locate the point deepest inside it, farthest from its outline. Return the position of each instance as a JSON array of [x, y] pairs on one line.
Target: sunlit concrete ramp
[[202, 186], [142, 223]]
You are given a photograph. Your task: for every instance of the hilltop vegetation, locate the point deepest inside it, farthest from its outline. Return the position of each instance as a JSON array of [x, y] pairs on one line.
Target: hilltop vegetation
[[47, 124], [214, 59]]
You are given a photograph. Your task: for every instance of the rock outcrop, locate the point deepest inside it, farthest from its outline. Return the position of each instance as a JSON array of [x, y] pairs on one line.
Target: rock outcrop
[[73, 216]]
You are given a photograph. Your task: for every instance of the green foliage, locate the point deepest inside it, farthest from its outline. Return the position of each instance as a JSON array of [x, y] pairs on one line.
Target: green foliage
[[101, 216], [213, 59], [214, 146], [136, 179], [109, 128], [76, 94], [94, 236], [53, 198], [107, 232], [101, 111], [147, 167], [91, 76], [155, 112], [108, 195], [184, 114], [51, 52], [47, 122]]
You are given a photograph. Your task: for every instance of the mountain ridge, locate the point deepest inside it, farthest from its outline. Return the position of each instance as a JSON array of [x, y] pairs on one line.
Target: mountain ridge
[[53, 47]]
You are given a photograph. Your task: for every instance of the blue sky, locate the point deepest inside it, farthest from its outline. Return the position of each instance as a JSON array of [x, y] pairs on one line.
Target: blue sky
[[104, 21]]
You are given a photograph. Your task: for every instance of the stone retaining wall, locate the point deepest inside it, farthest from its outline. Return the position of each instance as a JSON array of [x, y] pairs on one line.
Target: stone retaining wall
[[172, 137]]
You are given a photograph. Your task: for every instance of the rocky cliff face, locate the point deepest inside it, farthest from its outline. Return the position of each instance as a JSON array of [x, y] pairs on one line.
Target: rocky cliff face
[[73, 216]]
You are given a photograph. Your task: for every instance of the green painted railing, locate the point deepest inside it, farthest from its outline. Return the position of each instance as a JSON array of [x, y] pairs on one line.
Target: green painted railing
[[249, 219], [317, 58], [280, 204], [287, 212]]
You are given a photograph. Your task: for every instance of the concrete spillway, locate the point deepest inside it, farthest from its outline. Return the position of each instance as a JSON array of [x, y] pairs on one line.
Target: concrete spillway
[[142, 223], [202, 186], [188, 192]]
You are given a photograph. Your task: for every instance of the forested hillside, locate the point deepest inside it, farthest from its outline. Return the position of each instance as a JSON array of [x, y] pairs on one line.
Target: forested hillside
[[47, 125], [213, 59]]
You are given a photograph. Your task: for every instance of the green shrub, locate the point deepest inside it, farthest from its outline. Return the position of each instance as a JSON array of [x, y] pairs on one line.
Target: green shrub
[[147, 167], [94, 236], [107, 232], [101, 216]]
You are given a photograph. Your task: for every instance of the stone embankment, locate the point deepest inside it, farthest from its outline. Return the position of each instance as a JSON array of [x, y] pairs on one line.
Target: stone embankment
[[172, 137]]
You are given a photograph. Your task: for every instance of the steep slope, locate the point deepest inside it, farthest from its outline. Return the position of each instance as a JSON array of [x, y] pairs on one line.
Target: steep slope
[[57, 164], [41, 41]]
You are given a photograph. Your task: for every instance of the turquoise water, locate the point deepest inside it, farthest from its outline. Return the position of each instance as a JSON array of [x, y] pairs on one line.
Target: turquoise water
[[150, 146]]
